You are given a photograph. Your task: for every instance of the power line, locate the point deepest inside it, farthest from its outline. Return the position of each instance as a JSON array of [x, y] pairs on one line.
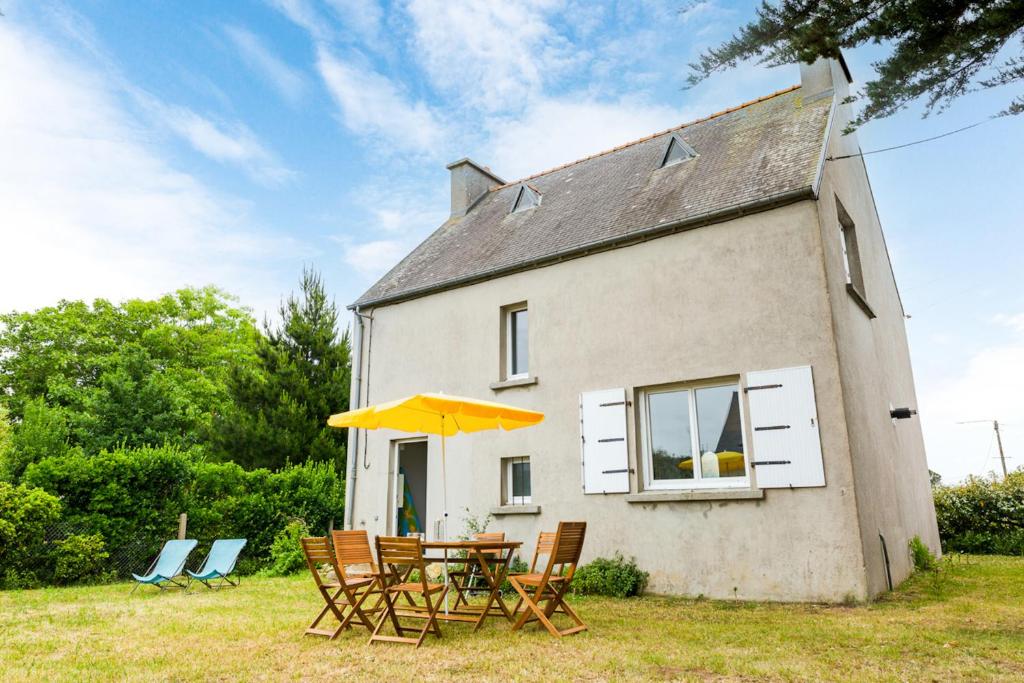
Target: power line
[[908, 144]]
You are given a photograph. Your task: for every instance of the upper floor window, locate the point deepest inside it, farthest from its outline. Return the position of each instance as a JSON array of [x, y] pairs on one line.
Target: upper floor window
[[677, 152], [693, 436], [526, 198], [517, 341], [851, 252]]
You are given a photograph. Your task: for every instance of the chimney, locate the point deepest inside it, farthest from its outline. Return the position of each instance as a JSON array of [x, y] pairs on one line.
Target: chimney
[[826, 74], [469, 182]]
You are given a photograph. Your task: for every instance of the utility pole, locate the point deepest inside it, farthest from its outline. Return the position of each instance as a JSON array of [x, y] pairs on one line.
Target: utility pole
[[999, 441]]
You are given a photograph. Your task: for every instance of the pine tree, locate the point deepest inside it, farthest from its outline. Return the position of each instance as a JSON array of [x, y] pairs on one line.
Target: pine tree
[[941, 49], [301, 377]]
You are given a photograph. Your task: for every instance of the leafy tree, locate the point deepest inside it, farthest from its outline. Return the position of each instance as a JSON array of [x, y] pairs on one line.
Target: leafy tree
[[42, 433], [135, 374], [941, 49], [283, 400]]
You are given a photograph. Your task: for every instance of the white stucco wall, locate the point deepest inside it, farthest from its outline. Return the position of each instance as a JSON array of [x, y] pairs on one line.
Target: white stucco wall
[[716, 301]]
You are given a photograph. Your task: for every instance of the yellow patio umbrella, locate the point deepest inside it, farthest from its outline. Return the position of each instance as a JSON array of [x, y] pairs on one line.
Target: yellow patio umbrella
[[438, 414]]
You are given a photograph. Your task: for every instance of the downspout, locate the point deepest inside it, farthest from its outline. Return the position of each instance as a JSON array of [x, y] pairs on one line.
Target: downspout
[[356, 383]]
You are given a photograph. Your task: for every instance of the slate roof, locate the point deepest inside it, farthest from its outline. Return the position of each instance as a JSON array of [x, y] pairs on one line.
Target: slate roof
[[770, 148]]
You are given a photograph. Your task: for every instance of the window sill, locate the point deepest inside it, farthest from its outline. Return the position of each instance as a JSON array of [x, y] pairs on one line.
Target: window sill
[[860, 299], [515, 510], [696, 495], [510, 383]]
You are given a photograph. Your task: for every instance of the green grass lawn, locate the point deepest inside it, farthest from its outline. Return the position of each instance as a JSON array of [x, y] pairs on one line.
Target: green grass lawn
[[969, 626]]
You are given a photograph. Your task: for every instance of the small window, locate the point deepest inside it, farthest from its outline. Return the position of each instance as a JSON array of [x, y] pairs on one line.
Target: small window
[[693, 436], [517, 333], [677, 152], [851, 252], [517, 481], [526, 198]]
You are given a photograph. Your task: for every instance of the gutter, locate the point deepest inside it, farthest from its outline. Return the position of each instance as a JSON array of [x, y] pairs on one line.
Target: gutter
[[653, 232], [355, 384]]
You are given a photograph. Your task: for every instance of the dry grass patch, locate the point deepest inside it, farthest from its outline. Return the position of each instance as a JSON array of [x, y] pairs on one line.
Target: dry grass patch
[[970, 626]]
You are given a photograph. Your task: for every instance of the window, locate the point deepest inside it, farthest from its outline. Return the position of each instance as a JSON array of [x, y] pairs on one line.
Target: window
[[851, 253], [693, 436], [677, 152], [517, 342], [526, 198], [517, 481]]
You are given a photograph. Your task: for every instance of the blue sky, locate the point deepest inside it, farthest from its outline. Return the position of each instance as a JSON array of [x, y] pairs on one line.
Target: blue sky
[[148, 146]]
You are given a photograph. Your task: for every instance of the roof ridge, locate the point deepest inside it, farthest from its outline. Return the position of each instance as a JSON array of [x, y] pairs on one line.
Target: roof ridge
[[723, 112]]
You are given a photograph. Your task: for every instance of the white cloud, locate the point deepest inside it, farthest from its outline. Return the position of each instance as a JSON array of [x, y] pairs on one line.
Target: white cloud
[[556, 131], [229, 144], [362, 16], [373, 259], [258, 56], [302, 13], [373, 106], [493, 55], [91, 206], [1014, 322], [987, 388]]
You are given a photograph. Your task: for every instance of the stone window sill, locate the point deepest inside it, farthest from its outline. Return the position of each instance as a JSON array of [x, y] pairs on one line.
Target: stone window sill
[[510, 383], [860, 299], [696, 495], [515, 510]]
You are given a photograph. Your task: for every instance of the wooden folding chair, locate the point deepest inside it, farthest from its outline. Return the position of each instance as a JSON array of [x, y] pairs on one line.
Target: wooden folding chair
[[545, 544], [549, 588], [463, 580], [392, 553], [344, 597]]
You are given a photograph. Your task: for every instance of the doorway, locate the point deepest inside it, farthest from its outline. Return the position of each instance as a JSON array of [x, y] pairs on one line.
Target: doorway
[[410, 487]]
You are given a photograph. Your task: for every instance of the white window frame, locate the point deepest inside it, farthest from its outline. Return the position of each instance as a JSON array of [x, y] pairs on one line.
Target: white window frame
[[698, 482], [511, 499], [510, 342]]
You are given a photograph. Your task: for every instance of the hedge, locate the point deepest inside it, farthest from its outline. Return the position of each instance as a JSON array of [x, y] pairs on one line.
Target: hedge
[[982, 516], [124, 503]]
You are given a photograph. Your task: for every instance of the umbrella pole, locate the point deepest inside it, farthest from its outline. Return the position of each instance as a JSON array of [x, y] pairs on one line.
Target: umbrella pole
[[444, 504]]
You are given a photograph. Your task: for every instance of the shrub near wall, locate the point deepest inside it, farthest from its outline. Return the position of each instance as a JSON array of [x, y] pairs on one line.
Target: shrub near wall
[[982, 516], [25, 515]]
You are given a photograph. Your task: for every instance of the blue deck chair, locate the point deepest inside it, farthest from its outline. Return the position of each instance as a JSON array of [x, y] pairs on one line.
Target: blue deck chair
[[168, 565], [220, 562]]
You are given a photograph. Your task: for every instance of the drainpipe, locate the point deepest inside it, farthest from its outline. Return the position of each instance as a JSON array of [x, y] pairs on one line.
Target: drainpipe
[[352, 453]]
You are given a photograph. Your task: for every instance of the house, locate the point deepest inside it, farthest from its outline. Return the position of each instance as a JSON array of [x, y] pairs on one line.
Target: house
[[709, 319]]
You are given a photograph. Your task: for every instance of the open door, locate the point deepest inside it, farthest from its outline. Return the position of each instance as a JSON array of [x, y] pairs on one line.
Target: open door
[[409, 487]]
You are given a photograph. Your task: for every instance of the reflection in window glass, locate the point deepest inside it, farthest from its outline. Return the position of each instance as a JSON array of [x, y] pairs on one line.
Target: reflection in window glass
[[671, 443], [720, 432], [518, 335]]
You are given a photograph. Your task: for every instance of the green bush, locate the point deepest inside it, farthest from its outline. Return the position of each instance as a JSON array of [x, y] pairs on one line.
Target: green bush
[[614, 577], [982, 516], [286, 555], [25, 517], [922, 556], [132, 495], [121, 494], [80, 557]]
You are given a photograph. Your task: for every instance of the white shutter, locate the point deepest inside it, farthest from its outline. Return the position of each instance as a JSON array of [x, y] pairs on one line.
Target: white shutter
[[603, 433], [784, 417]]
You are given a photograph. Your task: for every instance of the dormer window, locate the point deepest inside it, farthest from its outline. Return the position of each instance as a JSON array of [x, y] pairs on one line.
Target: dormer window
[[526, 198], [677, 152]]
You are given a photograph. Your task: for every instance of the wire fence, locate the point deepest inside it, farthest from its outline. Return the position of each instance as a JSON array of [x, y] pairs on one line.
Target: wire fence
[[133, 554]]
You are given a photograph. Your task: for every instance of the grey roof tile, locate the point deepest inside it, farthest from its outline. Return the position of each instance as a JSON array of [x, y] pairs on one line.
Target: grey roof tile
[[763, 149]]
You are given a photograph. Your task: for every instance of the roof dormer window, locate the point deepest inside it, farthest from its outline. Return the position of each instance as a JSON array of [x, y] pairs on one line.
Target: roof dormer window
[[677, 152], [526, 198]]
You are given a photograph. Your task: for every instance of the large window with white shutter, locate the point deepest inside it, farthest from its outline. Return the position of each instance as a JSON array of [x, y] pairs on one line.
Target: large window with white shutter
[[692, 436]]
